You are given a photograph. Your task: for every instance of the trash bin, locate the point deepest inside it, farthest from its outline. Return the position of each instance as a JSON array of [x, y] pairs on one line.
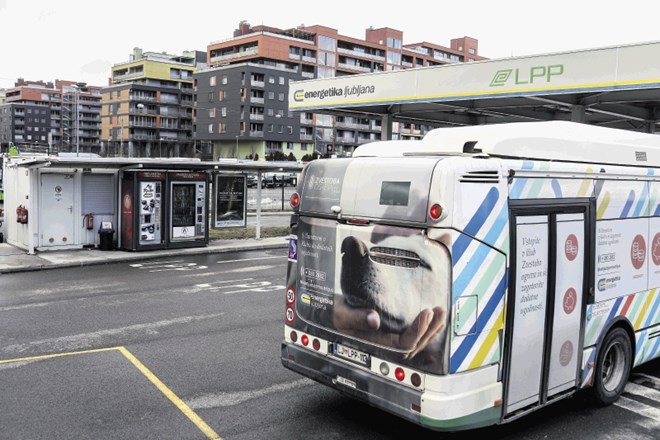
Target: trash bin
[[106, 232]]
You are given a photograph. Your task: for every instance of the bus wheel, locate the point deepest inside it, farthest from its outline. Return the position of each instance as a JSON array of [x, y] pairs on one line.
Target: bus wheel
[[612, 367]]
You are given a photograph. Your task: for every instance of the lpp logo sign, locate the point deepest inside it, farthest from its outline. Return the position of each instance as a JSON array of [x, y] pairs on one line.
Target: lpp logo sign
[[535, 75]]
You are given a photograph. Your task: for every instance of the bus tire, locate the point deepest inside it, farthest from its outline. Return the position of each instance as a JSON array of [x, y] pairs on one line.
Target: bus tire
[[613, 367]]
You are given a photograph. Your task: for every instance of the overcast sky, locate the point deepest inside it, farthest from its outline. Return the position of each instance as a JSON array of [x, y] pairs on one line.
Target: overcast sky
[[80, 40]]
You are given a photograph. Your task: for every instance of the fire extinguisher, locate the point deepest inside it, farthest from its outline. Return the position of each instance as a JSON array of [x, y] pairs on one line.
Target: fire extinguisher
[[21, 214], [89, 221]]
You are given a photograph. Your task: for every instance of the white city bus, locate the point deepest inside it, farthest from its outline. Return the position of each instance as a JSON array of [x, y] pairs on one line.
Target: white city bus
[[482, 273]]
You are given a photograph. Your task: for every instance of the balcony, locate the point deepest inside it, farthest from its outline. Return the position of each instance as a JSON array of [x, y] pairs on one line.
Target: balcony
[[256, 117], [232, 56], [256, 100], [256, 133], [255, 83], [353, 67], [359, 54]]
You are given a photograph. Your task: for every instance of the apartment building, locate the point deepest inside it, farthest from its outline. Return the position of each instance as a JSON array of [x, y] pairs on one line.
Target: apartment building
[[63, 116], [147, 111], [300, 53]]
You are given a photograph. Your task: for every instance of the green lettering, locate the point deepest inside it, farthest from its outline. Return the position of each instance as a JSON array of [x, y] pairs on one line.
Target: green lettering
[[518, 79], [536, 72], [555, 70]]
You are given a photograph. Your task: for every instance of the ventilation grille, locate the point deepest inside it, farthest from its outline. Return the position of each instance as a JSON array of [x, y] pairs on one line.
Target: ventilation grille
[[394, 257], [640, 156], [489, 176]]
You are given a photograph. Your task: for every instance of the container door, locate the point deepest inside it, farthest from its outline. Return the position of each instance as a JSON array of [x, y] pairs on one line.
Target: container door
[[57, 218], [546, 304]]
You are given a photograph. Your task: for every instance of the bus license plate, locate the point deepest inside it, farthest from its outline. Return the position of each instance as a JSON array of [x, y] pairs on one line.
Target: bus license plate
[[352, 355]]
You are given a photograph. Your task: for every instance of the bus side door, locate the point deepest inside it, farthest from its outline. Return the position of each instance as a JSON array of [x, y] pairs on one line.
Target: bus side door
[[550, 248]]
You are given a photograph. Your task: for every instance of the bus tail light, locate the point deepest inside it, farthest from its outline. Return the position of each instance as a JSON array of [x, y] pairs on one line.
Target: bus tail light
[[436, 212], [316, 344], [294, 201], [305, 340], [293, 335], [399, 374]]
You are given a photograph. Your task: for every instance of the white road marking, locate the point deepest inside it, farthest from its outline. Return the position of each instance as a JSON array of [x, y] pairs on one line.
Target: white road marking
[[25, 306], [207, 401], [87, 340], [640, 390], [225, 272], [211, 285], [652, 379], [651, 415], [154, 263], [11, 365], [251, 259]]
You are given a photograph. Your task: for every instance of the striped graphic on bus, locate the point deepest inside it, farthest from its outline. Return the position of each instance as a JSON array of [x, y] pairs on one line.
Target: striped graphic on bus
[[480, 271], [641, 310]]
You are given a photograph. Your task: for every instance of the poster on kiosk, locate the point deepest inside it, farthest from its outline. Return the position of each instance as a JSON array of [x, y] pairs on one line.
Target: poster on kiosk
[[188, 215], [142, 209]]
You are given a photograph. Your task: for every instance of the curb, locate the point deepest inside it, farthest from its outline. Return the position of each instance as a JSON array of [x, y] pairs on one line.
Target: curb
[[217, 247]]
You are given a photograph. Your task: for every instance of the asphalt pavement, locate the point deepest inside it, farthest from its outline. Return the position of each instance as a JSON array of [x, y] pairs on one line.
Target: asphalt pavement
[[14, 259]]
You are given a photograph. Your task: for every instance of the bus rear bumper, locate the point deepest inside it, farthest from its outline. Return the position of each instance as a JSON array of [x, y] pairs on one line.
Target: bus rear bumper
[[431, 409], [356, 383]]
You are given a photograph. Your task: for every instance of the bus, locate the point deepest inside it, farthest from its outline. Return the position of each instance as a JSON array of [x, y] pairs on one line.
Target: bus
[[479, 274]]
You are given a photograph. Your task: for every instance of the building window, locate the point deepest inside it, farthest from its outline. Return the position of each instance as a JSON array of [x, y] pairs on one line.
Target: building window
[[472, 51], [210, 128], [280, 128], [271, 112], [271, 80], [212, 112], [222, 128], [221, 95], [394, 43], [223, 112], [289, 145], [213, 80], [290, 129], [211, 97], [271, 95], [224, 79], [327, 43], [281, 80], [280, 96], [271, 127], [303, 147]]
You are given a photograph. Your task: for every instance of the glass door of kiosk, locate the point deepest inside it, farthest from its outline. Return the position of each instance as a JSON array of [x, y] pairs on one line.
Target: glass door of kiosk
[[188, 223]]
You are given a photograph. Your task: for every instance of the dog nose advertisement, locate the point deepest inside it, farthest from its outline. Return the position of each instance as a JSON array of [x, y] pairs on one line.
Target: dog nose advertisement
[[385, 287]]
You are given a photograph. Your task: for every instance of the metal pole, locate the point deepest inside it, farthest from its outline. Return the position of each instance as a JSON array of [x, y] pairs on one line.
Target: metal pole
[[76, 96]]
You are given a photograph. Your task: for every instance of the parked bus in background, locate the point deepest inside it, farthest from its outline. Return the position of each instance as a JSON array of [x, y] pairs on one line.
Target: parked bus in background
[[480, 274]]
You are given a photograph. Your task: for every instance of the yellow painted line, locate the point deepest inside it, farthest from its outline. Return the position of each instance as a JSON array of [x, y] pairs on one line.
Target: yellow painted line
[[180, 404], [57, 355]]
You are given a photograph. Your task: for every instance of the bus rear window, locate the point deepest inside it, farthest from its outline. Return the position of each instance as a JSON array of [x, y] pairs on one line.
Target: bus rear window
[[394, 193]]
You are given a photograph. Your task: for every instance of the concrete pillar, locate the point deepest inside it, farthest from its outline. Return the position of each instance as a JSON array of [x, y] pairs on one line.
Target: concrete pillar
[[386, 128], [578, 114]]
